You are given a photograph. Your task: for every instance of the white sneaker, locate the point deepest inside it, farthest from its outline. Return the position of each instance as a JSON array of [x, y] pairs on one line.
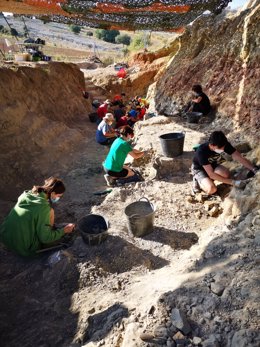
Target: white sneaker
[[109, 180]]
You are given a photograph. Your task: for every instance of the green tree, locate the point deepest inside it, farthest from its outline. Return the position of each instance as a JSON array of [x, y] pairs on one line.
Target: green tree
[[75, 28], [107, 35], [123, 39], [14, 32]]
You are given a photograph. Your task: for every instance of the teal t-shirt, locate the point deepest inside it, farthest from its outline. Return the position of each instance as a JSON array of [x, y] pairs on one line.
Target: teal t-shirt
[[117, 154]]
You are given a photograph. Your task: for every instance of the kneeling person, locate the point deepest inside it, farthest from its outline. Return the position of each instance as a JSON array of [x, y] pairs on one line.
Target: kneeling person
[[114, 163], [105, 134], [29, 225], [206, 166]]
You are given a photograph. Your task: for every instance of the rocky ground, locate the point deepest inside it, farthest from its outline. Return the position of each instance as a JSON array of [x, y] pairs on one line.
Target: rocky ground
[[192, 281]]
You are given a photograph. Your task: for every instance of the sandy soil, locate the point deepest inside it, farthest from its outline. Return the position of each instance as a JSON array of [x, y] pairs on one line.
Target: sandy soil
[[107, 294]]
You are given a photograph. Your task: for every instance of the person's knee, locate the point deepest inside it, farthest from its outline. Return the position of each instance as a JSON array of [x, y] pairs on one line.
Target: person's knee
[[211, 190], [208, 186]]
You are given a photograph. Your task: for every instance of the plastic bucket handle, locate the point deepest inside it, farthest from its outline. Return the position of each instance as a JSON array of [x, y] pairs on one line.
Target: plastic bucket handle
[[135, 216], [147, 200]]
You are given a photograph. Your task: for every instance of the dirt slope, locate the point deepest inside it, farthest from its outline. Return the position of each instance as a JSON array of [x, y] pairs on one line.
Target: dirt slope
[[41, 111]]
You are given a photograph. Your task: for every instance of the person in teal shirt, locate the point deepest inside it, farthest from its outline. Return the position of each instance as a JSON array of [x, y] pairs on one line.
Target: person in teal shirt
[[114, 162], [29, 225]]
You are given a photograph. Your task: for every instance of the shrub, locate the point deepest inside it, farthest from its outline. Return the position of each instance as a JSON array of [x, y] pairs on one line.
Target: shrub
[[107, 35], [75, 28], [89, 33], [123, 39]]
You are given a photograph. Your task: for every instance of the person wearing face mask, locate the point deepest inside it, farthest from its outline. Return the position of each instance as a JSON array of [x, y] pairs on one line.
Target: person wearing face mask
[[105, 133], [114, 162], [206, 167], [29, 225]]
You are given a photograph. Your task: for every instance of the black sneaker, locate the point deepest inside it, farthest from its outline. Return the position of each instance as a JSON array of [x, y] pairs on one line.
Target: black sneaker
[[195, 186]]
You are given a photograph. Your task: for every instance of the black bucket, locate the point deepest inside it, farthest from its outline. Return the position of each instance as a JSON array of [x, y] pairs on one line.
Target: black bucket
[[93, 229], [172, 144], [93, 117], [193, 117], [140, 217]]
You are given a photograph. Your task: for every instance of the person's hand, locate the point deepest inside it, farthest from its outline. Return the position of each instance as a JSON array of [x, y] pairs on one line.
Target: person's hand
[[69, 228]]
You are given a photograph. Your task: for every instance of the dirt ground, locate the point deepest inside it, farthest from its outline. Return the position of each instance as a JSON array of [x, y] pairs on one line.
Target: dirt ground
[[109, 294]]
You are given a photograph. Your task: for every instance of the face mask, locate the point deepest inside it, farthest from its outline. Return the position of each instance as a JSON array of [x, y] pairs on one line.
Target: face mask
[[219, 151], [53, 200]]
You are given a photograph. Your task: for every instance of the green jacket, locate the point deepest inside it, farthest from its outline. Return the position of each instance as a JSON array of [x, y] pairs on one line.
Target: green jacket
[[27, 226]]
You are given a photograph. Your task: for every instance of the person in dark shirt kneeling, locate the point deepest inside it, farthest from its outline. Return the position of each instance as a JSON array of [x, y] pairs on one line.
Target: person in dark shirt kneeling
[[206, 167], [200, 101]]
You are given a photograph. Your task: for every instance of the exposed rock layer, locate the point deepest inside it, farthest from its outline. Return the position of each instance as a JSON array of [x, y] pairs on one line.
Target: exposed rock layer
[[220, 55]]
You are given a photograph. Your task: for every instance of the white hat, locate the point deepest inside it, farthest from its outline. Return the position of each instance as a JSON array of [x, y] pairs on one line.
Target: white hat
[[109, 116]]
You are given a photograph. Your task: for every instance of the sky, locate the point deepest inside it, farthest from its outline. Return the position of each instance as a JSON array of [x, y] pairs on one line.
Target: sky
[[237, 3]]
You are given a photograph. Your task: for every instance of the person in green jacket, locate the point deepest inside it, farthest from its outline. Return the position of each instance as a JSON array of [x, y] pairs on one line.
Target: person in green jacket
[[114, 162], [29, 225]]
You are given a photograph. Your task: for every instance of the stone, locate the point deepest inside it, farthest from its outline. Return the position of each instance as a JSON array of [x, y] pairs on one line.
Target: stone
[[160, 331], [239, 339], [180, 321], [170, 343], [196, 340], [208, 315], [212, 341], [146, 337], [217, 288]]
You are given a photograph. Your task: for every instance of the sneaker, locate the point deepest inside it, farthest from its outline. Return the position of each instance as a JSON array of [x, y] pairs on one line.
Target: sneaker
[[195, 186], [109, 180]]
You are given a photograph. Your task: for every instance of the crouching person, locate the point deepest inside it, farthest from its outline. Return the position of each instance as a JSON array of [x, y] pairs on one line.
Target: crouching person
[[105, 133], [114, 163], [206, 167], [29, 225]]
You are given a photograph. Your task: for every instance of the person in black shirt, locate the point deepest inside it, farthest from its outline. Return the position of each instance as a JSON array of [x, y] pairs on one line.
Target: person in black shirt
[[206, 166], [200, 101]]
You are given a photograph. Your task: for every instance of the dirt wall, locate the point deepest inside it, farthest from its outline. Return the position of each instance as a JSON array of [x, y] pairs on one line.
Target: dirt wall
[[41, 110], [220, 54]]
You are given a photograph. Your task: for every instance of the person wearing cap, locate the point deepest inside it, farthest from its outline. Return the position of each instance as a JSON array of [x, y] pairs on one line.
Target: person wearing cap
[[206, 167], [103, 109], [105, 133], [30, 224], [119, 99], [114, 162]]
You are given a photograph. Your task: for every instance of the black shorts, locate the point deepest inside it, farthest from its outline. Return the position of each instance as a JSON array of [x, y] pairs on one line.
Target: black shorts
[[122, 173], [108, 141]]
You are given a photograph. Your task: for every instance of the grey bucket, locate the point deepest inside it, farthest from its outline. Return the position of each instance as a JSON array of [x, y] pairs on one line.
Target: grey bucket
[[140, 217], [93, 229], [172, 144]]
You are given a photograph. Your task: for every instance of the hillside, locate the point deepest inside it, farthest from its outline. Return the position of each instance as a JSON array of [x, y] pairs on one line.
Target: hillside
[[192, 281]]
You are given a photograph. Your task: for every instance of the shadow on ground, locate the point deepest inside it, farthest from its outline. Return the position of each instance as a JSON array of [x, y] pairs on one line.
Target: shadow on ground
[[36, 300], [174, 238], [116, 255]]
